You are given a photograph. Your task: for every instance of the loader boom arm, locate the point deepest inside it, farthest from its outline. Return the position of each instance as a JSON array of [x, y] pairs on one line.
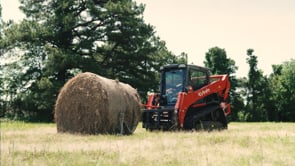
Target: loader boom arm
[[220, 86]]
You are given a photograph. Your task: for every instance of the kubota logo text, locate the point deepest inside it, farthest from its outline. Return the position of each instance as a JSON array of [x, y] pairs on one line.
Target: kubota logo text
[[204, 92]]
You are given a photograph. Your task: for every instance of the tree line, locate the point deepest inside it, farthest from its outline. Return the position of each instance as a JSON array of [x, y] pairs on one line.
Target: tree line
[[257, 97], [59, 39]]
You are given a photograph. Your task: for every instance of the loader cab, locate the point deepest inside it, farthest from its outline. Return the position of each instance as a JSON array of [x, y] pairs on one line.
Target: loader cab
[[180, 78]]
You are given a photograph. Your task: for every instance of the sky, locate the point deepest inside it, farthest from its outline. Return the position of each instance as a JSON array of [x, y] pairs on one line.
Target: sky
[[195, 26]]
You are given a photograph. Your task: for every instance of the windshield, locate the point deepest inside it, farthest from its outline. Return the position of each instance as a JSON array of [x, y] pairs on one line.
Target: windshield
[[173, 85]]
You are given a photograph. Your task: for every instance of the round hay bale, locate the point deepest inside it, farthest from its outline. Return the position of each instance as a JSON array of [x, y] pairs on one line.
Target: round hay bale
[[91, 104]]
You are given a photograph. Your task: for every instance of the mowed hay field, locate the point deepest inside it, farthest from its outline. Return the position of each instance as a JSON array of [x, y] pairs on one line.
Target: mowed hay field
[[242, 144]]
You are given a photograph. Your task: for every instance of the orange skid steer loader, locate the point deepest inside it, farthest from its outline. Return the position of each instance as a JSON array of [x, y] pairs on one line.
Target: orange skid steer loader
[[189, 98]]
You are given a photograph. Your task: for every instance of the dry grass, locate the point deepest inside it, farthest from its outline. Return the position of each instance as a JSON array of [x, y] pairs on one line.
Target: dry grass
[[241, 144]]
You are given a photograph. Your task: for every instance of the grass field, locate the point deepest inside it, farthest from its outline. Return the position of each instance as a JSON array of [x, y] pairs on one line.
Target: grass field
[[242, 144]]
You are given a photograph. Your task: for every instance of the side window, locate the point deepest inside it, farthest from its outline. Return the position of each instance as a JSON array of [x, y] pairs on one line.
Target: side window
[[197, 79]]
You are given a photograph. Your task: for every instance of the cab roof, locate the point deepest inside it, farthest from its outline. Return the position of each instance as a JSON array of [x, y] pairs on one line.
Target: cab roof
[[181, 66]]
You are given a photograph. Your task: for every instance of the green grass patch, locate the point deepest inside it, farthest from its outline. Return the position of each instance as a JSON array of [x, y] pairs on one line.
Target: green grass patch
[[21, 125], [242, 144]]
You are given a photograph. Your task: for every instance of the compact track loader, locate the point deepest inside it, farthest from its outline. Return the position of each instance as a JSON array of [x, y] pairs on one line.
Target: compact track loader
[[189, 98]]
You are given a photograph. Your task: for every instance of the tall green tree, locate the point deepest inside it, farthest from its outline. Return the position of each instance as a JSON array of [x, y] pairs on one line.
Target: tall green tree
[[217, 61], [274, 79], [1, 70], [283, 91], [257, 90], [60, 38]]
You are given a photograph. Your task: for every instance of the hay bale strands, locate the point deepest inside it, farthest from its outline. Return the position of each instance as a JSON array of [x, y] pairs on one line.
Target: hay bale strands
[[91, 104]]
